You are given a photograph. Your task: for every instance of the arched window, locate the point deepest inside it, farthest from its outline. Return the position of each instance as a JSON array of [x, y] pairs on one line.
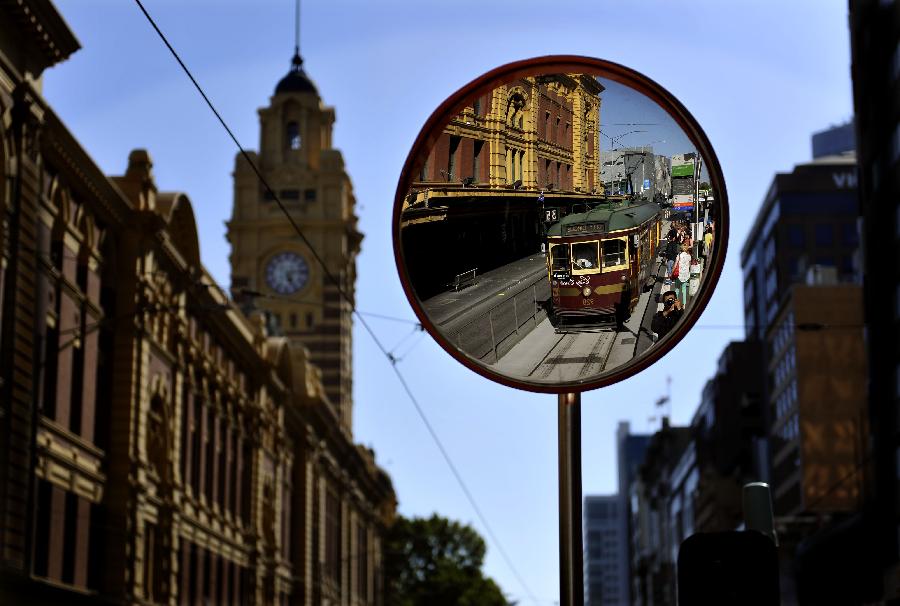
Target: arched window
[[157, 438], [515, 109], [293, 135]]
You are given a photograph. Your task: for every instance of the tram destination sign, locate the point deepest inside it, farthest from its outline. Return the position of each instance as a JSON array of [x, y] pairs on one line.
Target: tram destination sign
[[585, 228]]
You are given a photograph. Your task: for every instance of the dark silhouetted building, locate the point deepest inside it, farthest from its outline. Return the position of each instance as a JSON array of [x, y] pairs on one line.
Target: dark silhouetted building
[[875, 65], [653, 572], [630, 455], [730, 437], [834, 141], [603, 549]]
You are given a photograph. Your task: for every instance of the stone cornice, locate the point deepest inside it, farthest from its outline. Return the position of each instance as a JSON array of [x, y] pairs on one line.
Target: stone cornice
[[44, 28]]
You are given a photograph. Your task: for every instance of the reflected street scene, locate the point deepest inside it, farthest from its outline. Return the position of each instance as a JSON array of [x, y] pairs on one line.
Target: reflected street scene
[[560, 226]]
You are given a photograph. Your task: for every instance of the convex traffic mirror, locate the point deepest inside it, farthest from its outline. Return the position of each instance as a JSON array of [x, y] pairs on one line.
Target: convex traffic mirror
[[560, 223]]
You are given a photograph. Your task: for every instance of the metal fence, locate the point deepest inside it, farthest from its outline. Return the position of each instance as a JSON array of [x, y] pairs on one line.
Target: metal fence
[[490, 335]]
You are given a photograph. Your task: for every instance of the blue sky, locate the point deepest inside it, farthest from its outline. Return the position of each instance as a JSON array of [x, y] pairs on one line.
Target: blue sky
[[760, 77]]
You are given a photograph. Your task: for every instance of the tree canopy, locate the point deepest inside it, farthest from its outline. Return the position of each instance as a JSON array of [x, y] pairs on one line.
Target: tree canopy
[[436, 561]]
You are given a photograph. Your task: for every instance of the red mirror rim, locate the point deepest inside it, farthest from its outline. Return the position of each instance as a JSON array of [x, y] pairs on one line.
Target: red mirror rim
[[454, 104]]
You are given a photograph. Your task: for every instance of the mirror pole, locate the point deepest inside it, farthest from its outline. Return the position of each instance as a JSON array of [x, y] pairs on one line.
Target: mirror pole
[[571, 568]]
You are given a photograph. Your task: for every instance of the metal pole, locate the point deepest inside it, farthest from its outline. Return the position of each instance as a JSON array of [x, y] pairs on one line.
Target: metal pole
[[493, 340], [516, 313], [571, 579]]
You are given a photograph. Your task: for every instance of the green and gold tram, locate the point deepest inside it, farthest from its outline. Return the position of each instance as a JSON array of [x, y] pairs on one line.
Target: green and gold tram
[[599, 261]]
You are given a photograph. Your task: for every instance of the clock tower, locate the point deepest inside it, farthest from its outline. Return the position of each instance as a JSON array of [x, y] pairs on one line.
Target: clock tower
[[271, 266]]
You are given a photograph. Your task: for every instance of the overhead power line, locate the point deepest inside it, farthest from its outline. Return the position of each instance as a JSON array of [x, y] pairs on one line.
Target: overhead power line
[[446, 455]]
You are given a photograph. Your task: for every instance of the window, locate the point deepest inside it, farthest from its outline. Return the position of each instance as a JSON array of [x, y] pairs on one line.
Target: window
[[451, 161], [362, 562], [309, 195], [476, 160], [195, 447], [824, 234], [770, 250], [293, 135], [585, 255], [210, 452], [476, 107], [796, 236], [332, 536], [559, 257], [613, 252], [849, 235], [771, 286]]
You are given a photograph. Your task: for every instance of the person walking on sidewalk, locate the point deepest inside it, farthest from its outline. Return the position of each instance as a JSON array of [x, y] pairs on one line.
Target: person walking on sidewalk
[[682, 273], [670, 253], [708, 240]]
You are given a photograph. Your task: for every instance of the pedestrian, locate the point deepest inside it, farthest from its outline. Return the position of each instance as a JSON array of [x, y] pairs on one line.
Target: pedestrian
[[668, 316], [670, 254], [682, 273], [708, 240]]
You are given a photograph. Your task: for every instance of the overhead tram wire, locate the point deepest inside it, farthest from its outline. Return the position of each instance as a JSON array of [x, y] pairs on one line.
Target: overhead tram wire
[[344, 294]]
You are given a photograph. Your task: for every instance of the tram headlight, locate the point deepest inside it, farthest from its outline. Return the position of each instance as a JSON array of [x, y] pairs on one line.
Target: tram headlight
[[586, 291]]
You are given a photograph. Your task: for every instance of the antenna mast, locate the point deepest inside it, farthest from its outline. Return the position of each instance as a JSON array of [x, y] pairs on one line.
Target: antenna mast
[[297, 28]]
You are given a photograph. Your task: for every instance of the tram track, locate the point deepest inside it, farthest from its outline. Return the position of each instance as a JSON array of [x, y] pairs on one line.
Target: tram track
[[575, 356]]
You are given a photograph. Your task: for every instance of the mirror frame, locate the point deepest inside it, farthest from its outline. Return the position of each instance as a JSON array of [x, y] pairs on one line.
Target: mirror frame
[[457, 102]]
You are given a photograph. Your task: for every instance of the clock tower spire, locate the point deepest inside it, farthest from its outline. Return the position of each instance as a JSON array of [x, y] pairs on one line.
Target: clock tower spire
[[269, 260]]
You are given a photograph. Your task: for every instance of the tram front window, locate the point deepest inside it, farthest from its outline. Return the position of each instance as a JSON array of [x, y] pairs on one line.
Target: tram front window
[[613, 253], [559, 257], [584, 255]]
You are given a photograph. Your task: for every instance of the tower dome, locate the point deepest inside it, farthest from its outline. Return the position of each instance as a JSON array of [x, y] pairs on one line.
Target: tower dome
[[296, 80]]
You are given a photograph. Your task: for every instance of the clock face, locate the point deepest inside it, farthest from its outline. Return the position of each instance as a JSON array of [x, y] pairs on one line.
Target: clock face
[[287, 273]]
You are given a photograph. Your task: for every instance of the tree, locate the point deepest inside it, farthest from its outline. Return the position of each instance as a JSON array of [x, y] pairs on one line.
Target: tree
[[436, 561]]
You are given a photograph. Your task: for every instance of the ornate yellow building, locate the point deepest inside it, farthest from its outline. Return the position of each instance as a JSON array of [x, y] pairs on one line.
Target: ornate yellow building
[[270, 261], [159, 445], [335, 482], [480, 192], [538, 133]]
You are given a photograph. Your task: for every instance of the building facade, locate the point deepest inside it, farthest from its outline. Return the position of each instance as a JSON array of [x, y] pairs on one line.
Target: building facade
[[603, 546], [808, 217], [482, 189], [638, 171], [730, 437], [163, 447], [630, 448], [817, 373], [538, 132], [653, 550]]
